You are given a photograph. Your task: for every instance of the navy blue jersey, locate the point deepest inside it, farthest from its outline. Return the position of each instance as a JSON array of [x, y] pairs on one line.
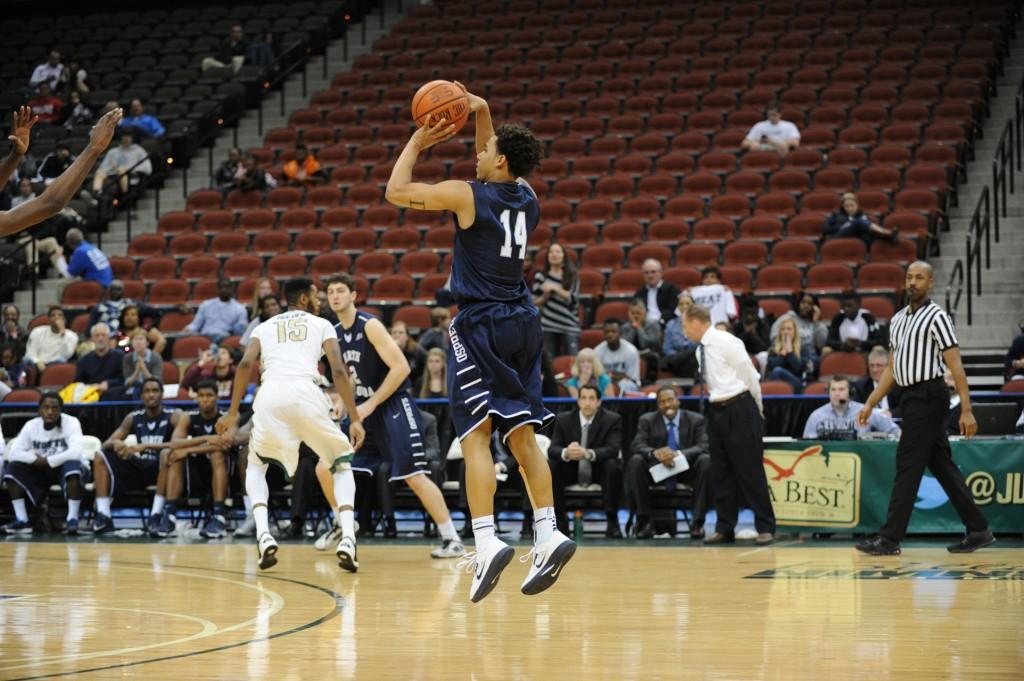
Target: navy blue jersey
[[199, 426], [153, 430], [488, 260], [364, 363]]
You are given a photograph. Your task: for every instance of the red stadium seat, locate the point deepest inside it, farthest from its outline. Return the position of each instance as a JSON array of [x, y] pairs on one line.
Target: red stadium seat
[[147, 245], [903, 252], [215, 221], [355, 241], [153, 269], [850, 252], [286, 266], [81, 294], [239, 267], [170, 293], [778, 279], [627, 233], [761, 228], [187, 348], [374, 264], [829, 278], [847, 363], [187, 245], [882, 277], [391, 289], [611, 310], [745, 253], [270, 243], [697, 255], [326, 264]]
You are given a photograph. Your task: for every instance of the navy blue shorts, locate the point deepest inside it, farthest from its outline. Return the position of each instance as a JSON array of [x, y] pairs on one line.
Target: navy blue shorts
[[394, 432], [36, 481], [494, 368], [131, 475]]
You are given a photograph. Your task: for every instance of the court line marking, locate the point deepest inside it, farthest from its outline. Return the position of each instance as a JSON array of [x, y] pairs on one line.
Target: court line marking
[[334, 612]]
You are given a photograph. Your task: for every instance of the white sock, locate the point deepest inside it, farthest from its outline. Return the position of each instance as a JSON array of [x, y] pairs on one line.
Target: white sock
[[260, 515], [73, 506], [543, 524], [158, 504], [20, 512], [345, 488], [447, 531], [247, 502], [347, 522], [103, 506], [256, 486], [483, 532]]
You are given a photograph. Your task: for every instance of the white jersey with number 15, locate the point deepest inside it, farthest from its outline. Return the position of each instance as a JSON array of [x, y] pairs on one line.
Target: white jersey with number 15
[[291, 345]]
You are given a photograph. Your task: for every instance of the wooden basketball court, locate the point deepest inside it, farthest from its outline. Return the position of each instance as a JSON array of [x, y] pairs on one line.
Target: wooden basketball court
[[89, 610]]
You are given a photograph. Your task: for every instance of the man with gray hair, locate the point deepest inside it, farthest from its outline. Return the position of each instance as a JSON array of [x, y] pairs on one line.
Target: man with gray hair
[[659, 295], [878, 360], [101, 368]]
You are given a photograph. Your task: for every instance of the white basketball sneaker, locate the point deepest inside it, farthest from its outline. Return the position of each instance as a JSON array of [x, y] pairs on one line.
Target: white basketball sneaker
[[331, 536], [450, 548], [547, 562], [346, 553], [266, 548], [486, 567]]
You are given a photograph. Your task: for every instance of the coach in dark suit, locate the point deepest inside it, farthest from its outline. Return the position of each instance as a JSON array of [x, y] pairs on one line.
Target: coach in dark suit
[[584, 449], [660, 296], [661, 436]]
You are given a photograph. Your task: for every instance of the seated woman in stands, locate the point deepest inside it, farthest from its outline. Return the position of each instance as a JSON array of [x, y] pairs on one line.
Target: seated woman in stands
[[850, 222], [588, 370]]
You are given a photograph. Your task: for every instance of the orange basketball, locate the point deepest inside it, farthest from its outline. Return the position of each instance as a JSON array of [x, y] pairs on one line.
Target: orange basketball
[[440, 100]]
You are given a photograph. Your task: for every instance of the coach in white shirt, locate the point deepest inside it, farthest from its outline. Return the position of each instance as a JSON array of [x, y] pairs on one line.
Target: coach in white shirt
[[735, 428], [772, 134]]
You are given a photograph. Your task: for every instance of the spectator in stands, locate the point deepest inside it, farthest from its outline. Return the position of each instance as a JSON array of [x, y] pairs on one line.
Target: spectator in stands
[[786, 361], [132, 320], [556, 292], [587, 370], [53, 342], [87, 261], [645, 335], [838, 418], [813, 332], [1014, 356], [435, 377], [262, 51], [25, 192], [414, 354], [753, 331], [659, 295], [264, 287], [139, 364], [304, 170], [714, 295], [78, 82], [878, 360], [12, 331], [854, 329], [585, 449], [233, 50], [220, 317], [125, 165], [54, 164], [143, 124], [620, 358], [529, 272], [46, 106], [50, 72], [47, 451], [662, 436], [772, 134], [254, 177], [101, 368], [226, 177], [77, 112], [850, 222], [269, 306], [437, 335], [217, 365], [679, 353], [13, 372], [109, 309]]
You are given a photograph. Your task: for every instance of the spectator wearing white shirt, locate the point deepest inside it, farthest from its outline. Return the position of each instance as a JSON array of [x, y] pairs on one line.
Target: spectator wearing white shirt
[[51, 343], [772, 134], [714, 295], [735, 419], [620, 358], [124, 164], [47, 451], [50, 72]]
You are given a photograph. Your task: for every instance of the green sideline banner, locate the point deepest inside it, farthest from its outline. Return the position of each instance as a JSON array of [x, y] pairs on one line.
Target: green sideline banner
[[829, 486]]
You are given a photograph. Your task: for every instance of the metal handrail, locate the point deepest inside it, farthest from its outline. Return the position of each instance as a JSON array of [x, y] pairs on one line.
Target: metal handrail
[[953, 299]]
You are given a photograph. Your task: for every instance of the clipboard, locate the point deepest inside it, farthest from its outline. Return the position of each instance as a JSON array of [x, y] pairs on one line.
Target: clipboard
[[660, 471]]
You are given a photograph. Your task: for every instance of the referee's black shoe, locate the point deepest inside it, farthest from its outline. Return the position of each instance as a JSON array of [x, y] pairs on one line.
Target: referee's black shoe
[[972, 541], [879, 546]]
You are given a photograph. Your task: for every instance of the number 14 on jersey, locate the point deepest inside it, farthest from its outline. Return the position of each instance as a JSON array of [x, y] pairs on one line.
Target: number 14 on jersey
[[518, 234]]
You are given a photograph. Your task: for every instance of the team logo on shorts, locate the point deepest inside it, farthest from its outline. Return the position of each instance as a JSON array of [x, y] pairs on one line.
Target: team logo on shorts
[[457, 347]]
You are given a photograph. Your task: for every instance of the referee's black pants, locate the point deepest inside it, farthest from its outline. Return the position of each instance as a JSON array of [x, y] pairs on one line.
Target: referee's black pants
[[735, 432], [924, 443]]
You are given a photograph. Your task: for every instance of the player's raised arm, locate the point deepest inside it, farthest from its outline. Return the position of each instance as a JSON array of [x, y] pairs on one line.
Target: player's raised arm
[[55, 197], [242, 373], [484, 125], [22, 121], [343, 384], [450, 195]]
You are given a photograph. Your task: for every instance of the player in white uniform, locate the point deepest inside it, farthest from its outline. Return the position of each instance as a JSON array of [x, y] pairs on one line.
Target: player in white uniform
[[290, 407]]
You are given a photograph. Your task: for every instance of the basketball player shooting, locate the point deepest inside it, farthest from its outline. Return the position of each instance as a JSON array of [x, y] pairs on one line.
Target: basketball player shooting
[[494, 367], [290, 407], [55, 197]]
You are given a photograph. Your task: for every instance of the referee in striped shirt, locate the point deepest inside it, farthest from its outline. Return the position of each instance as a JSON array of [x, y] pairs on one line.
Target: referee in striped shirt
[[923, 343]]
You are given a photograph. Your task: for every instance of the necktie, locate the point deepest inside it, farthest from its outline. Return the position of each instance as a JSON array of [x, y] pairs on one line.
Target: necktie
[[673, 444], [703, 376], [586, 470]]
